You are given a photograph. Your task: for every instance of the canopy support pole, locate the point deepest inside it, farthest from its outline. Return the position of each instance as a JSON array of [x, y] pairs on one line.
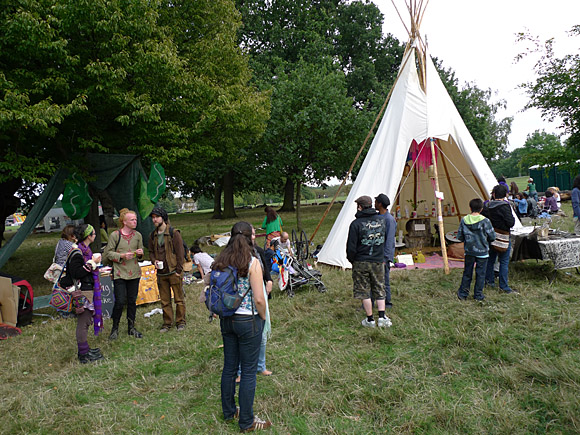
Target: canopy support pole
[[439, 213]]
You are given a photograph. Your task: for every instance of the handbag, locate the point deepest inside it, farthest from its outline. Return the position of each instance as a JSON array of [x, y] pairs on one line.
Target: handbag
[[61, 298], [502, 240], [52, 273]]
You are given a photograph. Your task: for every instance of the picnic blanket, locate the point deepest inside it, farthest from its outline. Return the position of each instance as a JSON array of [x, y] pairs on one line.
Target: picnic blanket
[[434, 261]]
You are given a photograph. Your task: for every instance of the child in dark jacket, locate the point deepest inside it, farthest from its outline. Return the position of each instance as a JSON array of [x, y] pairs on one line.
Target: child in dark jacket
[[476, 232]]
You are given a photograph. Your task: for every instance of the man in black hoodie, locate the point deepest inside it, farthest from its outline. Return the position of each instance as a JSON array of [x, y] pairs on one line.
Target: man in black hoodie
[[499, 212], [365, 250]]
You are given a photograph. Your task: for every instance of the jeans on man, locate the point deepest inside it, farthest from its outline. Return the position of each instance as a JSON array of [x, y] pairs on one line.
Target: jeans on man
[[126, 291], [242, 337], [388, 303], [504, 259], [480, 272]]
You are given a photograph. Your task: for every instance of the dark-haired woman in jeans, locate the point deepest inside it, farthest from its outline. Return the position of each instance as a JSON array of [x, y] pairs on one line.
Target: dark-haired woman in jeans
[[242, 332]]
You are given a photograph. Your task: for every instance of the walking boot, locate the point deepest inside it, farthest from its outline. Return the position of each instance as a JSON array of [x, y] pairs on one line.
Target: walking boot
[[115, 331], [86, 358], [132, 331], [96, 352]]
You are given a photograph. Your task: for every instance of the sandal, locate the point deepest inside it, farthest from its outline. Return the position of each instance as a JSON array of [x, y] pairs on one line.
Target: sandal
[[258, 424]]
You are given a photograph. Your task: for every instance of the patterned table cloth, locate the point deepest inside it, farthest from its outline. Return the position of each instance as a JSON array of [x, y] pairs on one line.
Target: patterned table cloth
[[564, 253]]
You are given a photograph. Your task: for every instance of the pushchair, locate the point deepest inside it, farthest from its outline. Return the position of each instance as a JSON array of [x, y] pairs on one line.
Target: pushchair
[[294, 270]]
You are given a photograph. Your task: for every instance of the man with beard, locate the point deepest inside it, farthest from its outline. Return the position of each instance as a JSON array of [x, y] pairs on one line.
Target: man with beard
[[167, 254]]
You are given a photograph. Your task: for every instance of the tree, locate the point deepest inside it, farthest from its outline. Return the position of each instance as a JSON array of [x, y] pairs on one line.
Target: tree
[[294, 48], [556, 91], [111, 76], [478, 113], [545, 149]]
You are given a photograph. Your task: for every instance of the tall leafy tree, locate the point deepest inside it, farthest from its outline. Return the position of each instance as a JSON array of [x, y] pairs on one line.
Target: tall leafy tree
[[479, 113], [335, 45], [556, 91]]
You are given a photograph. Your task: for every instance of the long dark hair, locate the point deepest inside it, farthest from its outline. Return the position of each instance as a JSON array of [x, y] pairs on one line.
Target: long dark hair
[[238, 251], [271, 214], [576, 182], [514, 188]]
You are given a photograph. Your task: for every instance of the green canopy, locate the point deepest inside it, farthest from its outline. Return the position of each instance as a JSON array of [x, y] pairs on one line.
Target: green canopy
[[116, 173]]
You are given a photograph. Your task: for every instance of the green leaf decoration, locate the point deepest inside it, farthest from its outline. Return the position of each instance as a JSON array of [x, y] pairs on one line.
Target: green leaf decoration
[[156, 183], [76, 201], [144, 204]]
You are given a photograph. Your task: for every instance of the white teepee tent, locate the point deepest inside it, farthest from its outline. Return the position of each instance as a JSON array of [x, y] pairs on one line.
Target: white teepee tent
[[419, 109]]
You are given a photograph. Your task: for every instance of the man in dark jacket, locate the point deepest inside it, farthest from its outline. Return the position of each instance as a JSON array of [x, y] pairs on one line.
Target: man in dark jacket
[[167, 254], [365, 251], [499, 212]]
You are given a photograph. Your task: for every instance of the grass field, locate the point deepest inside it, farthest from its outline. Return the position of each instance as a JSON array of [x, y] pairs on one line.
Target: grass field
[[508, 365]]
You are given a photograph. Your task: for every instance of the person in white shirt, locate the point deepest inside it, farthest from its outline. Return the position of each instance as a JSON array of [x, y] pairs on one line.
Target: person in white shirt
[[202, 260], [284, 243]]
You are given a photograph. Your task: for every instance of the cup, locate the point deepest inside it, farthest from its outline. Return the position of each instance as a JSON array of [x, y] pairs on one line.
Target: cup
[[97, 258], [159, 264]]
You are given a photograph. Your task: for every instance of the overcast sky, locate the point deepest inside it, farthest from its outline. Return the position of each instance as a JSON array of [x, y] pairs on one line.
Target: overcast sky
[[477, 40]]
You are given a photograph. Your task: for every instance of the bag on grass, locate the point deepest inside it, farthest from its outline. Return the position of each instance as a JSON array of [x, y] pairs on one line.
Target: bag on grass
[[502, 240], [222, 297]]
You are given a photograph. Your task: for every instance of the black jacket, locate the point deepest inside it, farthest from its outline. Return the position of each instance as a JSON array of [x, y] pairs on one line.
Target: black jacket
[[77, 269], [366, 237], [500, 214]]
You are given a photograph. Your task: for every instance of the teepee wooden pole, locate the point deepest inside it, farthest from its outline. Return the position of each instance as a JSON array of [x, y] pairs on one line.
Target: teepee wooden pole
[[439, 213]]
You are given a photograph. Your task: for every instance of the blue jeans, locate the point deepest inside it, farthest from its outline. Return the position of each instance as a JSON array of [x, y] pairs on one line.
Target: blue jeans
[[504, 259], [480, 272], [242, 336], [388, 285], [261, 357]]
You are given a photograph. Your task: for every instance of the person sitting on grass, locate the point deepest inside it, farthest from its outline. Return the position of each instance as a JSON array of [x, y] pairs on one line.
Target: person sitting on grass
[[476, 232], [202, 260], [550, 204]]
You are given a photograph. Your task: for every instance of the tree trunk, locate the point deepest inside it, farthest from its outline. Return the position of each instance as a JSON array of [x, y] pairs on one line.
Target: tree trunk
[[93, 219], [288, 204], [229, 211], [217, 199], [298, 211]]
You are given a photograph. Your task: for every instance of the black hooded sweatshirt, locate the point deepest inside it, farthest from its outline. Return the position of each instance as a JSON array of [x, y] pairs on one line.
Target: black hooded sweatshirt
[[499, 212], [366, 237]]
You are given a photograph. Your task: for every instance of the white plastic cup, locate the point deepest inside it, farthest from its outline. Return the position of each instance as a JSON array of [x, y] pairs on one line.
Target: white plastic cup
[[159, 264]]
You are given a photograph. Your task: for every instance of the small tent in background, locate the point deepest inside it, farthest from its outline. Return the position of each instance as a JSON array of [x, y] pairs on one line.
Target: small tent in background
[[420, 113]]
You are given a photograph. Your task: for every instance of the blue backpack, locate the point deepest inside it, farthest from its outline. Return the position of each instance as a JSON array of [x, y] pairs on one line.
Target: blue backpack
[[221, 297]]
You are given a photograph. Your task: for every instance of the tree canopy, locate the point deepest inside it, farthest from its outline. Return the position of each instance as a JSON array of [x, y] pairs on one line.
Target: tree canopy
[[556, 91], [164, 80]]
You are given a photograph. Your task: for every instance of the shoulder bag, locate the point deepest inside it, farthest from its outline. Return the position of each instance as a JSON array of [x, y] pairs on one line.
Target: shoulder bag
[[502, 240]]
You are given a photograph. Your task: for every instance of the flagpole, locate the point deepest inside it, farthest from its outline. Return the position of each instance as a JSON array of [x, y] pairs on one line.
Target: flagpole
[[439, 212]]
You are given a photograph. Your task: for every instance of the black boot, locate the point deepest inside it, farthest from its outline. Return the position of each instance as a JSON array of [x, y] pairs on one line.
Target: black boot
[[95, 352], [115, 331], [86, 358], [132, 331]]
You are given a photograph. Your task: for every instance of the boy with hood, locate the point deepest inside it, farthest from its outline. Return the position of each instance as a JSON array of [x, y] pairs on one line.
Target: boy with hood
[[476, 232]]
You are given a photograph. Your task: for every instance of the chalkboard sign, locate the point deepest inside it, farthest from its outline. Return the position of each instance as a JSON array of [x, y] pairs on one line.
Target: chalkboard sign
[[107, 296]]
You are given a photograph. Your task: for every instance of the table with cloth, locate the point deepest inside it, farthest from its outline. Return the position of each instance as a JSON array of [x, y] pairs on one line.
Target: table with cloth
[[148, 291], [562, 248]]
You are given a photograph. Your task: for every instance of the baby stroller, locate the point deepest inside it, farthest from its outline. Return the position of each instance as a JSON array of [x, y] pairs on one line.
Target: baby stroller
[[293, 270]]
